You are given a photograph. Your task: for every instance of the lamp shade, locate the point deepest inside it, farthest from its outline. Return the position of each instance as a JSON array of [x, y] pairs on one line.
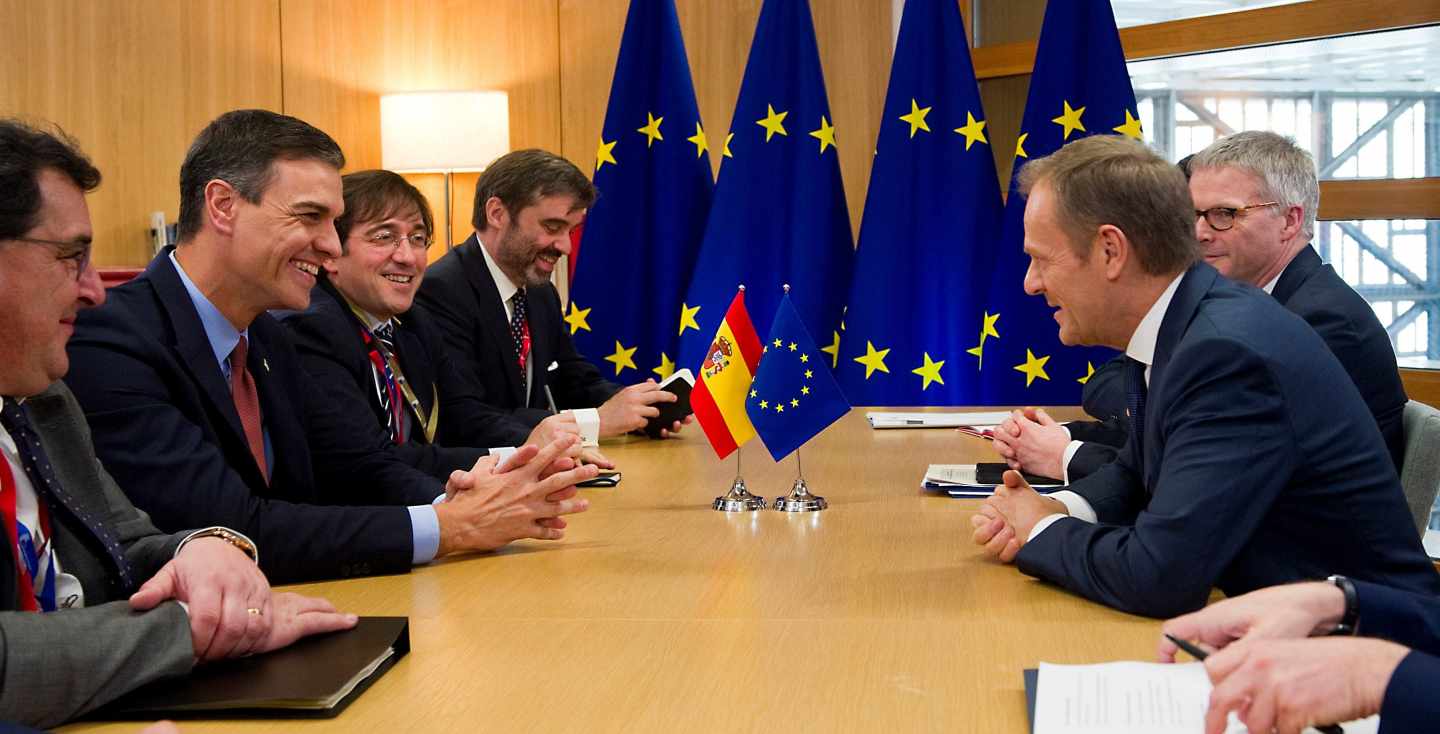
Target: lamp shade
[[439, 131]]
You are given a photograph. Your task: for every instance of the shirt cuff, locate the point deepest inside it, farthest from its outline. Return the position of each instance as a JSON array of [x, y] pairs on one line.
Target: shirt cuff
[[589, 421], [425, 533], [1070, 450], [502, 455], [1078, 506], [1045, 522]]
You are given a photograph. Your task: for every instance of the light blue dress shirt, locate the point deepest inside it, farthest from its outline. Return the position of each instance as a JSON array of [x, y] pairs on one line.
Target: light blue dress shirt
[[222, 335]]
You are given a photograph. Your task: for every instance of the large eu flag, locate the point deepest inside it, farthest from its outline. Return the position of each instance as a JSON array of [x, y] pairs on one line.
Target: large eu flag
[[931, 222], [793, 396], [643, 233], [779, 214], [1080, 87]]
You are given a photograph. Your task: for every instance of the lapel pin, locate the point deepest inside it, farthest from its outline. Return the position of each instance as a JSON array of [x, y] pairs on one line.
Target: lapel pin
[[265, 363]]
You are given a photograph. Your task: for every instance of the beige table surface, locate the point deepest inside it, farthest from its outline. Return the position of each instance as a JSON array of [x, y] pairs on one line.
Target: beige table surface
[[656, 614]]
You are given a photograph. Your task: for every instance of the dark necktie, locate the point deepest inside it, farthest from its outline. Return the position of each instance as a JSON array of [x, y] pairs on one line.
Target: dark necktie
[[390, 391], [247, 404], [1135, 391], [49, 490], [520, 333]]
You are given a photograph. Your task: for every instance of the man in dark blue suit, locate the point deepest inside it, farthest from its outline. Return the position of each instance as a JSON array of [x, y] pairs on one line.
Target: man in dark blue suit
[[1274, 678], [202, 410], [1236, 474], [1255, 197], [500, 316], [380, 363]]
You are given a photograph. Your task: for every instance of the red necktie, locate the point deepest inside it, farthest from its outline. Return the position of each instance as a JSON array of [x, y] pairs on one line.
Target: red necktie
[[247, 404], [7, 514]]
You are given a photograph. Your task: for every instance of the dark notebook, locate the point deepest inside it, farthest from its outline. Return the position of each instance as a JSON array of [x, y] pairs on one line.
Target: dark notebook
[[1032, 689], [993, 473], [316, 677]]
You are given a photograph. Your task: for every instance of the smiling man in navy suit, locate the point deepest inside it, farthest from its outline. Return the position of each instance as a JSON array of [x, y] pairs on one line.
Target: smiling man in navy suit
[[1235, 475]]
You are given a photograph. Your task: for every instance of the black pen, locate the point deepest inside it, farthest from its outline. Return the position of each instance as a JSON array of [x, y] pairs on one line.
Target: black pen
[[1195, 652]]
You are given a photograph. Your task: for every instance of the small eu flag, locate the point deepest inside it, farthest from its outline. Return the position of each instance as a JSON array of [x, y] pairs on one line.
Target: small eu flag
[[794, 396], [1080, 87]]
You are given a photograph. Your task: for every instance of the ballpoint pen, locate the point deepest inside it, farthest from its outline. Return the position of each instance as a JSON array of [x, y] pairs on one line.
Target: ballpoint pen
[[1199, 654]]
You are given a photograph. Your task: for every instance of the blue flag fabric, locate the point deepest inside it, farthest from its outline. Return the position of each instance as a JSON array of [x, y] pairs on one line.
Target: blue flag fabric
[[793, 396], [779, 214], [1080, 87], [928, 237], [642, 235]]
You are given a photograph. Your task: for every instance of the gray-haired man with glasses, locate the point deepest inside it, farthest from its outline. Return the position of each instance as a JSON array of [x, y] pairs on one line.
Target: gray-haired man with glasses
[[1255, 195]]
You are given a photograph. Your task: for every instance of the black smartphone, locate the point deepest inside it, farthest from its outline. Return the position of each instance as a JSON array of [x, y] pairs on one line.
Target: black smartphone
[[680, 382]]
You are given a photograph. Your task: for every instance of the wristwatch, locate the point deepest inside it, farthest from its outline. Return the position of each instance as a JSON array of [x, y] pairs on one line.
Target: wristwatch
[[1351, 618], [237, 539]]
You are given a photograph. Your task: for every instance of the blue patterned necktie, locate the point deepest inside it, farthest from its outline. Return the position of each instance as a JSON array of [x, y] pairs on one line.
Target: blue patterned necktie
[[390, 391], [520, 332], [1135, 390], [49, 489]]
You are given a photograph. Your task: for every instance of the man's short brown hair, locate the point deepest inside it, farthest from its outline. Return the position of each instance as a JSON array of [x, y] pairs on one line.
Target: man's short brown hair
[[1111, 179], [523, 177], [373, 196]]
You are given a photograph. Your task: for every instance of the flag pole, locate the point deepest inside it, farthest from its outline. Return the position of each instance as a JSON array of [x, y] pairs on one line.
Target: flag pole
[[738, 499], [800, 499]]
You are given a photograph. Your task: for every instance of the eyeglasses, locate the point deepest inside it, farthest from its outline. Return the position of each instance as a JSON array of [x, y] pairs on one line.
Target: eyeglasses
[[386, 239], [1221, 218], [74, 255]]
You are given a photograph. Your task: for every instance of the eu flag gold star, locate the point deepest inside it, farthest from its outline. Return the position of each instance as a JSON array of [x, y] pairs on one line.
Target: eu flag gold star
[[666, 368], [804, 389], [773, 122], [988, 328], [604, 155], [700, 141], [687, 318], [929, 372], [804, 358], [794, 346], [1089, 373], [725, 149], [764, 404], [778, 343], [651, 131], [1070, 120], [622, 357], [779, 408], [826, 134], [974, 131], [1020, 146], [1033, 367], [916, 118], [834, 351], [794, 402], [576, 319], [873, 359], [1131, 127]]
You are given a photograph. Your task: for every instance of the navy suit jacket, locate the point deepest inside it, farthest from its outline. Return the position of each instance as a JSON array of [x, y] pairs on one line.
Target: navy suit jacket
[[1259, 466], [167, 429], [328, 336], [1314, 292], [460, 294], [1412, 620]]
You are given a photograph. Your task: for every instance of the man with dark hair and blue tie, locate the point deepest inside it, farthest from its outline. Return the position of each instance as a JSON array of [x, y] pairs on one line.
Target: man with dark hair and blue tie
[[86, 582], [1235, 476]]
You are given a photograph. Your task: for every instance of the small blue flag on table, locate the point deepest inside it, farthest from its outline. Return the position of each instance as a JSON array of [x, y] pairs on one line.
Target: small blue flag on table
[[793, 396]]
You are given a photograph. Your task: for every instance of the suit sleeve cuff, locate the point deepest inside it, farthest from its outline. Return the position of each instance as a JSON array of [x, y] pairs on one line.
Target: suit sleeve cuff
[[1078, 506], [1045, 522], [1070, 450], [589, 421], [1410, 695], [424, 532]]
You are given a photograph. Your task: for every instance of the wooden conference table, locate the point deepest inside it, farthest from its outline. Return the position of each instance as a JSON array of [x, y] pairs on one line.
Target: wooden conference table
[[656, 614]]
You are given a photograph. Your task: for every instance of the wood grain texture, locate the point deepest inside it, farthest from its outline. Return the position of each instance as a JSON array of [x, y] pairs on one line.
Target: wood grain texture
[[854, 41], [341, 55], [133, 82], [1402, 198], [657, 614], [1422, 385]]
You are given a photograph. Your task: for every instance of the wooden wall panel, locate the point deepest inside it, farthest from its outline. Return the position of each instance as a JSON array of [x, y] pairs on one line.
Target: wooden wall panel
[[854, 38], [133, 82]]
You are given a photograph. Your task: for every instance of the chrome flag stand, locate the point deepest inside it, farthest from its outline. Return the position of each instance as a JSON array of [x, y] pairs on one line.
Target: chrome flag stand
[[738, 499], [800, 499]]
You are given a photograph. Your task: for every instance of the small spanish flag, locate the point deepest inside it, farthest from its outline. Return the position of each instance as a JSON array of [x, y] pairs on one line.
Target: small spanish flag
[[724, 381]]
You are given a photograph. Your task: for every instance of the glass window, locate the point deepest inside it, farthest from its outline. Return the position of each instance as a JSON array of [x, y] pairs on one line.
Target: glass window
[[1366, 106], [1144, 12], [1392, 263]]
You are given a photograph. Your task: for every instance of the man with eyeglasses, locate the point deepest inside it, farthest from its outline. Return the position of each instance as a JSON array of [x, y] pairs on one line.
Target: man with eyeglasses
[[94, 601], [380, 363], [1255, 196], [204, 413]]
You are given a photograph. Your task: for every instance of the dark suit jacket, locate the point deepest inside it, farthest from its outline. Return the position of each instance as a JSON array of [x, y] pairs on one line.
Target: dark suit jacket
[[166, 427], [1412, 620], [1258, 466], [1313, 291], [461, 295], [328, 337], [56, 666]]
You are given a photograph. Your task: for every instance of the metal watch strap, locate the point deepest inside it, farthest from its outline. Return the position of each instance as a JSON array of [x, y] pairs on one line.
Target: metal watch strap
[[1350, 620], [246, 545]]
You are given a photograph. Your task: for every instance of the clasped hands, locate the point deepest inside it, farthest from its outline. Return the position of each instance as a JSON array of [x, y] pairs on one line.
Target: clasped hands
[[1007, 517], [1270, 675]]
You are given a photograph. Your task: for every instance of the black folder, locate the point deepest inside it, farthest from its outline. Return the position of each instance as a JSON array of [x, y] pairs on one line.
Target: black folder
[[1032, 690], [316, 678]]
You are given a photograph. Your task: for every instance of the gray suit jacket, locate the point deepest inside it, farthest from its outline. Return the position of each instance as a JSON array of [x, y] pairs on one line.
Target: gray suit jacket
[[56, 666]]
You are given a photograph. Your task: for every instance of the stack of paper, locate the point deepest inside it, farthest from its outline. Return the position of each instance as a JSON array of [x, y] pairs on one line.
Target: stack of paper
[[960, 480], [973, 422]]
